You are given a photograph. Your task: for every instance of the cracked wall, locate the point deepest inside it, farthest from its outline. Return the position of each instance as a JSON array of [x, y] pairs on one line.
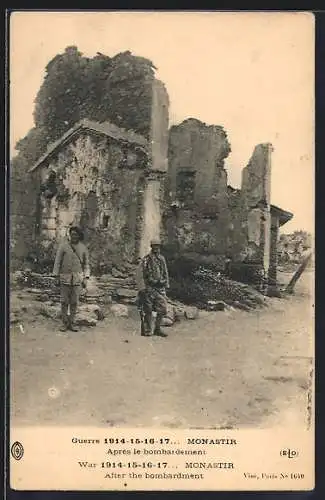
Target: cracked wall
[[198, 217], [100, 184], [152, 227], [256, 193], [208, 219]]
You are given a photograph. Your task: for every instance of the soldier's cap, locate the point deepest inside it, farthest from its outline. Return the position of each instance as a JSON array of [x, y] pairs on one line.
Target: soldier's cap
[[155, 243]]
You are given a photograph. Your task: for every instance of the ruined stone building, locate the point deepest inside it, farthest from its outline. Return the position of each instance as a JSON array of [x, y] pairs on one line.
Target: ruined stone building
[[125, 189], [207, 219], [108, 180]]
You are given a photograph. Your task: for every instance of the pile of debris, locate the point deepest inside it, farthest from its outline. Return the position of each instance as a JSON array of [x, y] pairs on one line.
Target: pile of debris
[[26, 310], [29, 279], [120, 286], [199, 288], [110, 294], [96, 301], [88, 314], [115, 287], [208, 289]]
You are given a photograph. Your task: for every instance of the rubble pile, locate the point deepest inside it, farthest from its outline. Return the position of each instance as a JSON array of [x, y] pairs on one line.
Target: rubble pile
[[176, 311], [88, 314], [208, 290], [112, 294], [109, 294], [32, 280], [117, 287], [120, 286]]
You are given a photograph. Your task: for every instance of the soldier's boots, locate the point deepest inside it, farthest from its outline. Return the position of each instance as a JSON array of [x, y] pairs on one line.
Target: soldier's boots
[[147, 330], [65, 318], [158, 331], [147, 326], [69, 326]]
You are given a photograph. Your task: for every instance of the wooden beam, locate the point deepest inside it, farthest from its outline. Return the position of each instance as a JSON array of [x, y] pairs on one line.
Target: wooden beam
[[297, 274]]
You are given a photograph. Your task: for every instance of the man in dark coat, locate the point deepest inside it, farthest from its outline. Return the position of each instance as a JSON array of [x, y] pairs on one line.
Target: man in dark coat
[[156, 281]]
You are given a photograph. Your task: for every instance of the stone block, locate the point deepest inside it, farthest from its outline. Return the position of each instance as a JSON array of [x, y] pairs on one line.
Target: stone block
[[167, 322], [85, 320], [94, 310], [117, 274], [241, 305], [44, 297], [92, 288], [216, 305], [274, 292], [170, 312], [191, 313], [48, 311], [126, 293]]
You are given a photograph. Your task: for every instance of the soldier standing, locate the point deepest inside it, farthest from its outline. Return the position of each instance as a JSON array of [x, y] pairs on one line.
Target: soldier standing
[[156, 281], [71, 270]]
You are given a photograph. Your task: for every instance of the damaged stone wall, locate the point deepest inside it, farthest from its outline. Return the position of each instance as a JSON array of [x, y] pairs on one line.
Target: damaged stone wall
[[200, 149], [158, 140], [272, 275], [198, 216], [238, 230], [154, 191], [210, 221], [22, 220], [136, 101], [256, 204], [22, 203], [151, 219], [100, 184], [100, 189]]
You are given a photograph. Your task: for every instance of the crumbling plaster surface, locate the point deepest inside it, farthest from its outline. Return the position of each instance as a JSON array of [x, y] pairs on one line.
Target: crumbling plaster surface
[[93, 182], [159, 127], [256, 176], [220, 220], [154, 190], [195, 146], [151, 216], [256, 192], [200, 224]]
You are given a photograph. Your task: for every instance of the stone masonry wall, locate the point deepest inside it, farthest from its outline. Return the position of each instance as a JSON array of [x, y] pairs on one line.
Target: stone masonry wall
[[201, 149], [154, 190], [158, 141], [139, 102], [210, 221], [256, 196], [200, 221], [98, 190]]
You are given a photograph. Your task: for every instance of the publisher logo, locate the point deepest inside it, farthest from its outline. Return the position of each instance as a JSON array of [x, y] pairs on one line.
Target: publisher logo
[[17, 450], [287, 452]]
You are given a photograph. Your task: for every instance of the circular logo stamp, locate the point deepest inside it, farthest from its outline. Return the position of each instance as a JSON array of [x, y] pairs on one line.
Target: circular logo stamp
[[17, 450]]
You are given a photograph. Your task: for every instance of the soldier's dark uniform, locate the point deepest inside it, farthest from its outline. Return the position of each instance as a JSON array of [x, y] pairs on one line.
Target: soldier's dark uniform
[[156, 280]]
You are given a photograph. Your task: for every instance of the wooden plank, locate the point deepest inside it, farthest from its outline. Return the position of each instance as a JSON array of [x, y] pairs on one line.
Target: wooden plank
[[297, 274]]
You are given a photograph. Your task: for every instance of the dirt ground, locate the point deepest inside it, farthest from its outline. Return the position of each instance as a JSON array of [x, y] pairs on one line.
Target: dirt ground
[[231, 369]]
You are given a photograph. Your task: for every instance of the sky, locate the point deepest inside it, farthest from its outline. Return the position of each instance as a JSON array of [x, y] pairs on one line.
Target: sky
[[252, 73]]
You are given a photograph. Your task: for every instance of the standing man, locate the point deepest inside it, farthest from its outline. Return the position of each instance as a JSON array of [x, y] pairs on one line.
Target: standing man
[[156, 281], [71, 270]]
